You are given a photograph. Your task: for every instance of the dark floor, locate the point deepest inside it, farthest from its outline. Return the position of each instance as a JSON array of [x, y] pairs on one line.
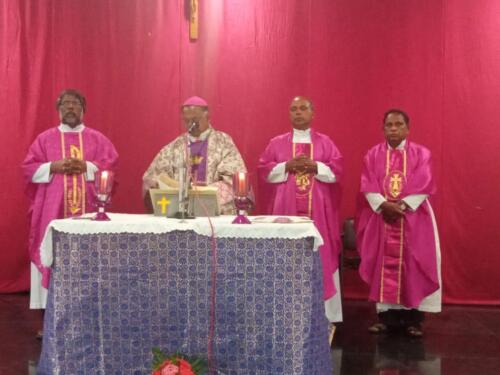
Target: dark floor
[[459, 341], [18, 324], [462, 340]]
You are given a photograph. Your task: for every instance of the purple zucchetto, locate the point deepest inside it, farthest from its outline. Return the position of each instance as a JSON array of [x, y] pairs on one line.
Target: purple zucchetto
[[196, 101]]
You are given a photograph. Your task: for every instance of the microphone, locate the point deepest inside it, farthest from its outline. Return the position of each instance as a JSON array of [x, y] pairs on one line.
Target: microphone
[[183, 189], [194, 124]]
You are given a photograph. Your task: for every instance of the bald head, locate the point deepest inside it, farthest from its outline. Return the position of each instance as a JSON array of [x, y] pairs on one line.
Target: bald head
[[301, 112]]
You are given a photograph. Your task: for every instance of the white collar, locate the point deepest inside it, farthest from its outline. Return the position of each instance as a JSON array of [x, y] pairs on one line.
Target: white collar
[[302, 136], [63, 128], [401, 146], [302, 132], [204, 135]]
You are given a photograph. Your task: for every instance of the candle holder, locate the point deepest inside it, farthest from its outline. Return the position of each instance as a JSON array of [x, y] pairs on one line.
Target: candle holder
[[103, 183], [241, 188]]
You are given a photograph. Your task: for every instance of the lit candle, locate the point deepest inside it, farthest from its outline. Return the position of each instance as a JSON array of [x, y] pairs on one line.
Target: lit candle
[[104, 182], [242, 184]]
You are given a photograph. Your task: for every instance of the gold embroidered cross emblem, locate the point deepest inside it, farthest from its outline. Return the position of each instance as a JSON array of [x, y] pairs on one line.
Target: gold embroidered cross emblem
[[196, 159], [302, 180], [395, 184]]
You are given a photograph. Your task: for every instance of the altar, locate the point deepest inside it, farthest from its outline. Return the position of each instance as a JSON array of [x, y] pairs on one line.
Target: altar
[[122, 287]]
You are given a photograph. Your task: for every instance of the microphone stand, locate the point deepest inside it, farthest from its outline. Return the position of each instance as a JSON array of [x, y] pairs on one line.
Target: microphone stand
[[184, 182]]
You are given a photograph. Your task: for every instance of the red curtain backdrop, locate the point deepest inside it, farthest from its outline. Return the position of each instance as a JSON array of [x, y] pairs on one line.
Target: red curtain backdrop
[[439, 60]]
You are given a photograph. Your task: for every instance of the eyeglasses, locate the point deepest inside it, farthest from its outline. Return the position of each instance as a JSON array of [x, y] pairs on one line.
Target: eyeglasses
[[68, 103], [302, 108]]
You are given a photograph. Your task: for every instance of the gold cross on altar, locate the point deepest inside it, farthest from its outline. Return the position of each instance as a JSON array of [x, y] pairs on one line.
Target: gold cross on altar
[[164, 202]]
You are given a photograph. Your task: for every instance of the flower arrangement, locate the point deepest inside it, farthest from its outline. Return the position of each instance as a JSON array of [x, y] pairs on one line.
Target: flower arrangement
[[177, 364]]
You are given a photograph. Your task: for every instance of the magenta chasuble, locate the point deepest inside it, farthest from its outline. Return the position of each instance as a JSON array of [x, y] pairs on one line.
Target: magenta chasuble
[[305, 195], [64, 195], [398, 260]]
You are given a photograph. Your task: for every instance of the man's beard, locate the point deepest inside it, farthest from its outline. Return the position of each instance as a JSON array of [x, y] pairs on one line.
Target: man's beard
[[71, 119]]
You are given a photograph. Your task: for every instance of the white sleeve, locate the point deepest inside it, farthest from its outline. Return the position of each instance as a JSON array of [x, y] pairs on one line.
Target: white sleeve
[[278, 173], [375, 200], [415, 200], [325, 174], [42, 175], [91, 169]]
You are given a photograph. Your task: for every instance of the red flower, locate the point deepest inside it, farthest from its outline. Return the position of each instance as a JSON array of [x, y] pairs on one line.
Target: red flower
[[175, 364], [185, 368], [167, 368]]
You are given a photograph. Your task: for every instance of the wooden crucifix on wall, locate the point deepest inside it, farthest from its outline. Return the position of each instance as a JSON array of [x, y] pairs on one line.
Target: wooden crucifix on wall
[[193, 19]]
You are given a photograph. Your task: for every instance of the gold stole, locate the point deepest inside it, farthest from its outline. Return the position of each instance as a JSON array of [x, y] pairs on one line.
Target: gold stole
[[392, 260], [74, 185], [304, 182]]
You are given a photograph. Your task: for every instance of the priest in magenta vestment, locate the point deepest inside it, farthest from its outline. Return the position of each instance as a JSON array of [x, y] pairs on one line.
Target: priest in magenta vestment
[[396, 230], [59, 172], [299, 172]]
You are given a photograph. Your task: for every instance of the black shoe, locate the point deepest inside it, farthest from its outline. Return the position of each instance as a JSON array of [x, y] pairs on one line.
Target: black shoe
[[413, 331]]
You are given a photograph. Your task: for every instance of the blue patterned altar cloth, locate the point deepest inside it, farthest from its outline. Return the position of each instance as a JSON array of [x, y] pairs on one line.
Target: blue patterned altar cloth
[[113, 297]]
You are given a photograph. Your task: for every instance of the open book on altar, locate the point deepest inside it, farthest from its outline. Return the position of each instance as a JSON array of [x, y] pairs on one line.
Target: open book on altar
[[202, 200]]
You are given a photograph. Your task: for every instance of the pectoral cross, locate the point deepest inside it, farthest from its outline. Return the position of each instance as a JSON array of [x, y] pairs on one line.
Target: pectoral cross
[[164, 202]]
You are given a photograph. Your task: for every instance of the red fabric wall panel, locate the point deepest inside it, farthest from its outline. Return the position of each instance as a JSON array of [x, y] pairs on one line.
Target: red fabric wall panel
[[470, 203], [439, 60]]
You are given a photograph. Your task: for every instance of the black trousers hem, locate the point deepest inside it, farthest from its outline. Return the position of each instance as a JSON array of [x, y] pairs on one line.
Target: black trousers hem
[[395, 318]]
